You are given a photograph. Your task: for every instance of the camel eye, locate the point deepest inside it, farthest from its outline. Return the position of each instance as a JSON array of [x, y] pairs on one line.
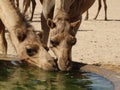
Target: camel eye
[[54, 43], [72, 41], [31, 51]]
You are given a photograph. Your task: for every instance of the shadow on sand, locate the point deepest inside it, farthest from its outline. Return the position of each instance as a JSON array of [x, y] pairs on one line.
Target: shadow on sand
[[103, 20]]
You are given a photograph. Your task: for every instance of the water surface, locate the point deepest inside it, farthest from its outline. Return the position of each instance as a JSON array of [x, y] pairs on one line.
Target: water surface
[[32, 78]]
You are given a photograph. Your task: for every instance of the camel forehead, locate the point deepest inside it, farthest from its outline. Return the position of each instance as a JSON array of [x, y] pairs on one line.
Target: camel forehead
[[61, 15], [59, 35], [61, 29]]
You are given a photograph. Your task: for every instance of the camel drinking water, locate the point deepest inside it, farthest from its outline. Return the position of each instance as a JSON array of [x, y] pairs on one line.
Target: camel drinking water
[[27, 43], [63, 18]]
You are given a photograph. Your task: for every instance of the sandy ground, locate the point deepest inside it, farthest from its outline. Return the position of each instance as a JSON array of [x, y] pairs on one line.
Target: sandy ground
[[98, 41]]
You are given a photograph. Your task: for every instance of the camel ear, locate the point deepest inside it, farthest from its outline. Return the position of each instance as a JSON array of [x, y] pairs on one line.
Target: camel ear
[[51, 24], [76, 23]]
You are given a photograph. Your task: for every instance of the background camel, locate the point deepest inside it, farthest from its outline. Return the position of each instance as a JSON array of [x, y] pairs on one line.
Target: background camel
[[99, 8], [27, 43], [26, 5], [63, 18], [15, 2]]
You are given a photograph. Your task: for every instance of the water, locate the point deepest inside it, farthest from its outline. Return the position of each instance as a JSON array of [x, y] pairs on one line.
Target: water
[[31, 78]]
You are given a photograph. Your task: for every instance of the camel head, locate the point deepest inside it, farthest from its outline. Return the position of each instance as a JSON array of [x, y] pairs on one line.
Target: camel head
[[31, 49], [62, 39]]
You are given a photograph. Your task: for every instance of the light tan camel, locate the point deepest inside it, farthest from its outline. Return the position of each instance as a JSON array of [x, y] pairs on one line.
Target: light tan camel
[[63, 18], [26, 6], [99, 8], [27, 43], [3, 42]]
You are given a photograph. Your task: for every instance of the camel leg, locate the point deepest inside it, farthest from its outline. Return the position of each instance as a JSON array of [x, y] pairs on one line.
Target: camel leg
[[45, 29], [41, 1], [17, 3], [26, 5], [33, 9], [85, 6], [3, 42], [99, 8], [87, 15], [105, 8]]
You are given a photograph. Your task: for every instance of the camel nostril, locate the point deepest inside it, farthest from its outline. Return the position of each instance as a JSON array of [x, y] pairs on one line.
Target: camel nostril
[[55, 67], [53, 64]]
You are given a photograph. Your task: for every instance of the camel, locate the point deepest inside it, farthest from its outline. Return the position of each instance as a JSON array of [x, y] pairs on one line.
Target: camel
[[99, 8], [27, 43], [60, 20], [15, 2], [3, 42], [26, 5]]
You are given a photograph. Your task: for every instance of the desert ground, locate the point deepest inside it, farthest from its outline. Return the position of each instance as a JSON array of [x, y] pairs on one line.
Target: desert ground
[[98, 41]]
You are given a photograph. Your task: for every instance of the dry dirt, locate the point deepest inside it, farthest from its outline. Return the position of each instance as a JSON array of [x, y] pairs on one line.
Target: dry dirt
[[98, 41]]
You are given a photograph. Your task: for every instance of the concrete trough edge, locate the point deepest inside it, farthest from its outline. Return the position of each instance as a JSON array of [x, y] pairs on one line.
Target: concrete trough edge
[[110, 75]]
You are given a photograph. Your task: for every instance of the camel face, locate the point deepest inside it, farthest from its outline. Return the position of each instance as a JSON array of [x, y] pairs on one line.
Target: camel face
[[62, 39], [32, 50], [66, 17], [27, 43]]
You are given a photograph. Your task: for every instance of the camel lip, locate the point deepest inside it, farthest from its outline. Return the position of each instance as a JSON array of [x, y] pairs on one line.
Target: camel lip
[[67, 66]]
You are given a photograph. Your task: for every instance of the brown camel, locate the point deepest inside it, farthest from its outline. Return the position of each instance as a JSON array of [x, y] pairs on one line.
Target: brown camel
[[26, 5], [63, 18], [15, 2], [27, 43], [99, 8]]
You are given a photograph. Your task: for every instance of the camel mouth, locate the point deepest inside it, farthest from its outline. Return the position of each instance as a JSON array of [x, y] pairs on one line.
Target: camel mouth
[[50, 67], [63, 65]]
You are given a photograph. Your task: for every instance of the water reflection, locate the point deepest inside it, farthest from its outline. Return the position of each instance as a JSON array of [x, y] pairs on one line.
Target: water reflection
[[32, 78]]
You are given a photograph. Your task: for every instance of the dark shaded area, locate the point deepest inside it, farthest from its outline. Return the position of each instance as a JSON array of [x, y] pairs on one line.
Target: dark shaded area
[[85, 30], [76, 66]]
